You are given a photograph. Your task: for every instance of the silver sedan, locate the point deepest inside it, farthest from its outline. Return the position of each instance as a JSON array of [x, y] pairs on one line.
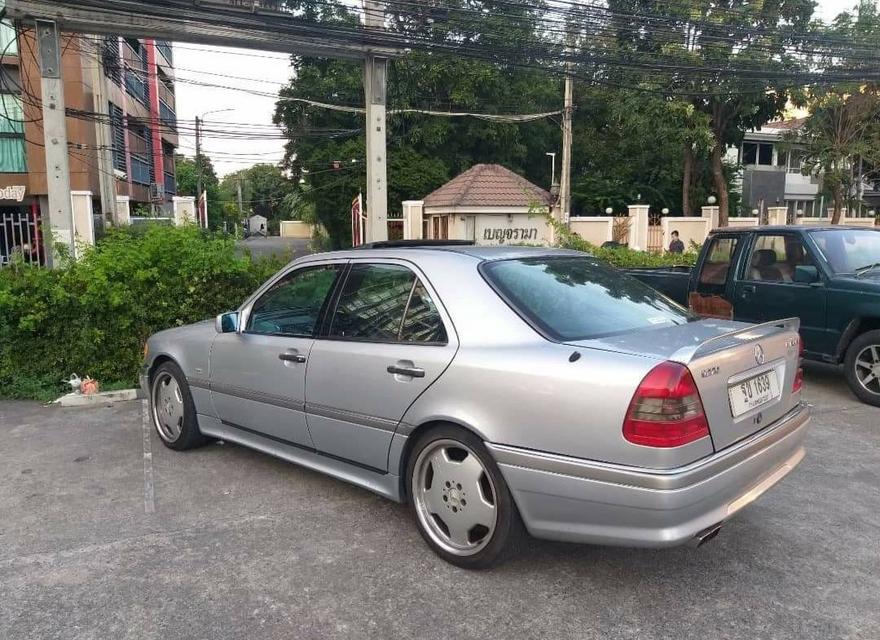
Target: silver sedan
[[497, 391]]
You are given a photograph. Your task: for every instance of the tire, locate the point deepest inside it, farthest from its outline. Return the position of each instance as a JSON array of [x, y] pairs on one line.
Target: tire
[[862, 367], [172, 409], [449, 471]]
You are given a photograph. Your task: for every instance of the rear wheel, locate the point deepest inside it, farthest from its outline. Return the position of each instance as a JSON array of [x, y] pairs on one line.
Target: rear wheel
[[460, 500], [172, 409], [862, 367]]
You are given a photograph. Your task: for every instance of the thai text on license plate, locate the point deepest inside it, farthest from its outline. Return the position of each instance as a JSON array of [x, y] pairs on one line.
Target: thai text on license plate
[[754, 392]]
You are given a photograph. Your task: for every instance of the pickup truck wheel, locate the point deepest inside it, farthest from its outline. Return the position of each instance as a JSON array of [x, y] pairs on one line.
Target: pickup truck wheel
[[862, 367]]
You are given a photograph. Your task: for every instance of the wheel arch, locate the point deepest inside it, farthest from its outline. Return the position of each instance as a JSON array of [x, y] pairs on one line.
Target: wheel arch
[[855, 328], [157, 362]]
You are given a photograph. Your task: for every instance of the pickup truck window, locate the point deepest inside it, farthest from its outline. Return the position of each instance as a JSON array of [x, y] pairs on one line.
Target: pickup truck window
[[848, 250], [718, 259], [774, 258]]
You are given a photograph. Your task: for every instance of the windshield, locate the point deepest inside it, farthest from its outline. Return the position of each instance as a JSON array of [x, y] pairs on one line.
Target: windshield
[[576, 298], [847, 250]]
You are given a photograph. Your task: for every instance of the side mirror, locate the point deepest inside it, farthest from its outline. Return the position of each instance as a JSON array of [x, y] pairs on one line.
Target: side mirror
[[227, 322], [806, 274]]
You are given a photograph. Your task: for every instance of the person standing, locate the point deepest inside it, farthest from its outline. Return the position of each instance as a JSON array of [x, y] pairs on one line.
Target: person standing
[[676, 246]]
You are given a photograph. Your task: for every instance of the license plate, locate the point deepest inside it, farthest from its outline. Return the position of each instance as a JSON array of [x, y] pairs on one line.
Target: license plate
[[753, 393]]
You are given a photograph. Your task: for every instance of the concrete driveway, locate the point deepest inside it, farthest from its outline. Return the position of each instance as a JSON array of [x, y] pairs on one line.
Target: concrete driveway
[[106, 534], [277, 246]]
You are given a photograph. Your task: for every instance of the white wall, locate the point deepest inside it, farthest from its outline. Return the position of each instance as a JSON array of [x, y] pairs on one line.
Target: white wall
[[295, 229], [593, 229], [517, 228], [690, 229], [83, 222]]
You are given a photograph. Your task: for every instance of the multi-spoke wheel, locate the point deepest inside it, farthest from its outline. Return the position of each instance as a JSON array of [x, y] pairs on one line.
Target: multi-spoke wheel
[[172, 408], [862, 367], [461, 502]]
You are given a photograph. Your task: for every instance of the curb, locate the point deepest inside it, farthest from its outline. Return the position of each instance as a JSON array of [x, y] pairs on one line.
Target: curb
[[98, 399]]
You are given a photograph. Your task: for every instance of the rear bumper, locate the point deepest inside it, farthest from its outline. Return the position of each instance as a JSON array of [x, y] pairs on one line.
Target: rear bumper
[[563, 498]]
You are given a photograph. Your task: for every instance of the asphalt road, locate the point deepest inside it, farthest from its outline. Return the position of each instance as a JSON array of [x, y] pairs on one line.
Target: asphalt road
[[274, 245], [106, 534]]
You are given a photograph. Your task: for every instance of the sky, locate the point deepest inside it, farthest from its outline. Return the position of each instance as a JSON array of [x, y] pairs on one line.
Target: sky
[[264, 72]]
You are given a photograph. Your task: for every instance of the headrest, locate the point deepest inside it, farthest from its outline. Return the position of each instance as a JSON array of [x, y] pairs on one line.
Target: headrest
[[764, 258]]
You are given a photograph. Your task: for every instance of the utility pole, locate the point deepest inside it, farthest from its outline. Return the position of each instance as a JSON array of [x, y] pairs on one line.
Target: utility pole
[[198, 158], [374, 93], [60, 211], [240, 204], [568, 108]]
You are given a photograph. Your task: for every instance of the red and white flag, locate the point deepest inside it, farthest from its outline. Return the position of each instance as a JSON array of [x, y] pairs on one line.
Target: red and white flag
[[358, 219], [202, 210]]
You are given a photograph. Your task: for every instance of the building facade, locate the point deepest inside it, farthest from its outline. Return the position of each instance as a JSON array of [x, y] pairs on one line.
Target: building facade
[[121, 128]]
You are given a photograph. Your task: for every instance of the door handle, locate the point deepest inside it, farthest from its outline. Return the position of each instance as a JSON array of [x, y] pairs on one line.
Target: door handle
[[292, 357], [412, 372], [748, 288]]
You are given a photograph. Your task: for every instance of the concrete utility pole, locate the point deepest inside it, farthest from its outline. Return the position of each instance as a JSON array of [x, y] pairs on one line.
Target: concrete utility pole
[[240, 204], [198, 157], [55, 137], [568, 108], [374, 92]]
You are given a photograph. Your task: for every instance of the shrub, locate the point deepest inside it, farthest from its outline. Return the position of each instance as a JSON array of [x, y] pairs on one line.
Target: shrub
[[93, 316]]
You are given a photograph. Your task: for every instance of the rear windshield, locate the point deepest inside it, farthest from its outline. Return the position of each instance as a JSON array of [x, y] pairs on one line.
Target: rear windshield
[[576, 298]]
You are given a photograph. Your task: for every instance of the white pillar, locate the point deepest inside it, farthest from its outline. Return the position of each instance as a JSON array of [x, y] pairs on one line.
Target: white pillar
[[412, 219], [711, 212], [83, 222], [184, 210], [777, 215], [638, 233], [123, 211]]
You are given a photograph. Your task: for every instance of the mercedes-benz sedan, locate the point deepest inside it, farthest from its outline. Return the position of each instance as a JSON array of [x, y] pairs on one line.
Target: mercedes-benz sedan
[[494, 390]]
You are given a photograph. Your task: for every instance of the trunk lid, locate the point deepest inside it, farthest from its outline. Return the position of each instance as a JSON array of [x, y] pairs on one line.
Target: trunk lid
[[723, 357]]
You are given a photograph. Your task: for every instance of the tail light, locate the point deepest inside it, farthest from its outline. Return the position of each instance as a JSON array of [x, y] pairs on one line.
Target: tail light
[[799, 374], [666, 410]]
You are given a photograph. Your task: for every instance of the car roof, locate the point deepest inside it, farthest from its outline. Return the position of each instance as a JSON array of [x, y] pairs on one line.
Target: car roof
[[790, 228], [478, 253]]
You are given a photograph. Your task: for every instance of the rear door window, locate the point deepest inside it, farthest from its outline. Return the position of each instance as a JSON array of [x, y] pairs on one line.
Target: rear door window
[[577, 298], [719, 258]]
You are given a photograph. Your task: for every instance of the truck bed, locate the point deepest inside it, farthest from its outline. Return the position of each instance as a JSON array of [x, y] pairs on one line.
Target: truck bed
[[670, 281]]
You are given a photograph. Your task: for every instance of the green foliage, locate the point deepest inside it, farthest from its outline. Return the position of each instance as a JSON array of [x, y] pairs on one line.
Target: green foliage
[[187, 185], [93, 316], [265, 191]]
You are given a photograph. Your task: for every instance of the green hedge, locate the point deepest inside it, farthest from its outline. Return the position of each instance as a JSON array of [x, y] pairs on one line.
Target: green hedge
[[93, 316]]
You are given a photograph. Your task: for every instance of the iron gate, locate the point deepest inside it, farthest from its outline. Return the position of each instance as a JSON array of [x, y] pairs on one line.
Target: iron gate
[[20, 236]]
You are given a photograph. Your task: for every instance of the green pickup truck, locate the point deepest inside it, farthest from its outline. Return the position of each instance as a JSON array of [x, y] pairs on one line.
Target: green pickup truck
[[827, 276]]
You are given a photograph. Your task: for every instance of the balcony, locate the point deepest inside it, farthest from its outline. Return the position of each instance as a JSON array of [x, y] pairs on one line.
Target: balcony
[[167, 116]]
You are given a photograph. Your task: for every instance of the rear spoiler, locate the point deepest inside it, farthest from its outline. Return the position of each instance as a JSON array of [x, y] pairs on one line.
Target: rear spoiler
[[690, 352]]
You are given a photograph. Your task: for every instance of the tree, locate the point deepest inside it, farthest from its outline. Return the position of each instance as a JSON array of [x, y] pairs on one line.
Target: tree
[[187, 185], [265, 189]]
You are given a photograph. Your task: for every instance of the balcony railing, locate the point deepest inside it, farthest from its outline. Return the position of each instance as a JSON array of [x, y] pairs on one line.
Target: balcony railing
[[167, 116], [164, 48]]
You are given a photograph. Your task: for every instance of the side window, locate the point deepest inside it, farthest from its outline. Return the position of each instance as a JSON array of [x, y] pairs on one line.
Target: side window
[[774, 258], [717, 263], [386, 303], [373, 302], [293, 305], [422, 322]]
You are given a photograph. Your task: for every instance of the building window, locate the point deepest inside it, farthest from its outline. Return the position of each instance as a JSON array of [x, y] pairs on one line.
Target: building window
[[795, 161], [8, 39], [117, 130], [112, 60], [757, 153], [141, 155], [13, 158]]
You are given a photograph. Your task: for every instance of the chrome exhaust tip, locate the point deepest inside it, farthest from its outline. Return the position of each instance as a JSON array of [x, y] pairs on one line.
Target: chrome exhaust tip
[[706, 535]]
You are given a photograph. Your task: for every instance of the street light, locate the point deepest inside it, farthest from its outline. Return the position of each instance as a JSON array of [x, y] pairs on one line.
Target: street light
[[711, 200], [552, 167]]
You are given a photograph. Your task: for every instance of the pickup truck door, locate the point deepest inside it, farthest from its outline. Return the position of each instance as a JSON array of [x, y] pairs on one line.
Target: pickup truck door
[[766, 290], [712, 282]]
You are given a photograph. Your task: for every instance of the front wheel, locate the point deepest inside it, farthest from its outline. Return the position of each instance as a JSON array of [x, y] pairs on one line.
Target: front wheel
[[862, 367], [172, 409], [460, 500]]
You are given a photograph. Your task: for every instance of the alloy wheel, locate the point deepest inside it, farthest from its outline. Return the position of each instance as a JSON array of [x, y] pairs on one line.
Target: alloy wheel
[[168, 407], [867, 367], [455, 498]]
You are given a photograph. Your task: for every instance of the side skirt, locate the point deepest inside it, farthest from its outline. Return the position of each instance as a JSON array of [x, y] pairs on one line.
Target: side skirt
[[385, 484]]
